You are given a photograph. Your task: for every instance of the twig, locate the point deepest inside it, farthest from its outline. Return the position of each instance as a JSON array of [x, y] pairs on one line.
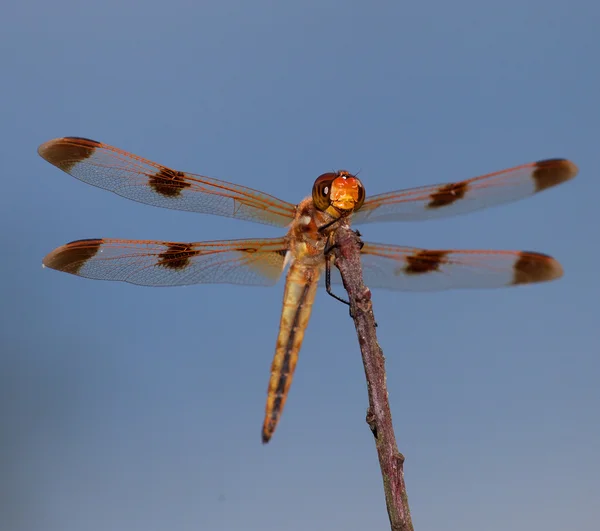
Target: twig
[[379, 417]]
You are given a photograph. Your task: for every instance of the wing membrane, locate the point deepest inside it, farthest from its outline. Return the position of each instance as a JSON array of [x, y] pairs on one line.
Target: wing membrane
[[147, 182], [256, 262], [411, 269], [461, 197]]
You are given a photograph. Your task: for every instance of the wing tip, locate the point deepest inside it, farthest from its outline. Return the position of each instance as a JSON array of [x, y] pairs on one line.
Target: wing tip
[[550, 172], [536, 267], [71, 257], [66, 152]]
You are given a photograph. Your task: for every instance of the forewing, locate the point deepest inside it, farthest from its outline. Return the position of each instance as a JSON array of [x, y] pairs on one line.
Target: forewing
[[412, 269], [155, 263], [461, 197], [148, 182]]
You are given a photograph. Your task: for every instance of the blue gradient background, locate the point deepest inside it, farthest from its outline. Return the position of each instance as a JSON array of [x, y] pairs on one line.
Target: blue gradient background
[[127, 408]]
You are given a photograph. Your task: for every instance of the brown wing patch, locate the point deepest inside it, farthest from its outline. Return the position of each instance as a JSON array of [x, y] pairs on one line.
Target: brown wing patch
[[177, 256], [424, 261], [169, 183], [551, 172], [448, 194], [72, 256], [64, 153], [536, 267]]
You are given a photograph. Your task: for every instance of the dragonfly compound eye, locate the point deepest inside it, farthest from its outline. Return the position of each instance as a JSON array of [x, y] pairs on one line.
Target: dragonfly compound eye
[[322, 189], [347, 193]]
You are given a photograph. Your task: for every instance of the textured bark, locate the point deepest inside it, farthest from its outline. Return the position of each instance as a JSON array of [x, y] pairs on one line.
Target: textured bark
[[379, 417]]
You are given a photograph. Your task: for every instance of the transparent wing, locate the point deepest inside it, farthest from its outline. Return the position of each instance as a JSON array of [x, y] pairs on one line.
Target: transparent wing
[[145, 181], [411, 269], [461, 197], [154, 263]]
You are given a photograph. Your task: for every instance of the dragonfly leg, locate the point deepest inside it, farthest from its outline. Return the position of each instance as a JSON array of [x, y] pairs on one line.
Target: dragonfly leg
[[328, 248], [322, 228], [328, 283]]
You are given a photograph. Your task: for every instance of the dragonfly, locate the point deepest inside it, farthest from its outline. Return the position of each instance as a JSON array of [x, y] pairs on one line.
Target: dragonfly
[[303, 249]]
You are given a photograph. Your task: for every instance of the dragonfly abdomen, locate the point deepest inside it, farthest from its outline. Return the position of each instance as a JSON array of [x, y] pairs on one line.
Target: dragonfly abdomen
[[300, 288]]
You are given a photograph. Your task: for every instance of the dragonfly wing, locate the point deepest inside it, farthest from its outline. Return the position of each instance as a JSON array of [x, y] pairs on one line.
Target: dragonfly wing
[[411, 269], [156, 263], [148, 182], [461, 197]]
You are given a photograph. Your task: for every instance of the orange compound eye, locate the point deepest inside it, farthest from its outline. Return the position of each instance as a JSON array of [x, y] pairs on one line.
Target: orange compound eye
[[347, 192], [361, 196], [322, 189], [360, 191]]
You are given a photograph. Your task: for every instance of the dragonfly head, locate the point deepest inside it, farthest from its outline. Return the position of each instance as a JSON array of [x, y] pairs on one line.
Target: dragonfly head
[[338, 193]]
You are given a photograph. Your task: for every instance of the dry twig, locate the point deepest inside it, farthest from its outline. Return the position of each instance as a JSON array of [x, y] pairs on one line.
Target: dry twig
[[379, 417]]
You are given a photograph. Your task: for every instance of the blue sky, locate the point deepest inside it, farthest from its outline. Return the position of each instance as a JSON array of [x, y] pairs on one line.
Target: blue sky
[[129, 408]]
